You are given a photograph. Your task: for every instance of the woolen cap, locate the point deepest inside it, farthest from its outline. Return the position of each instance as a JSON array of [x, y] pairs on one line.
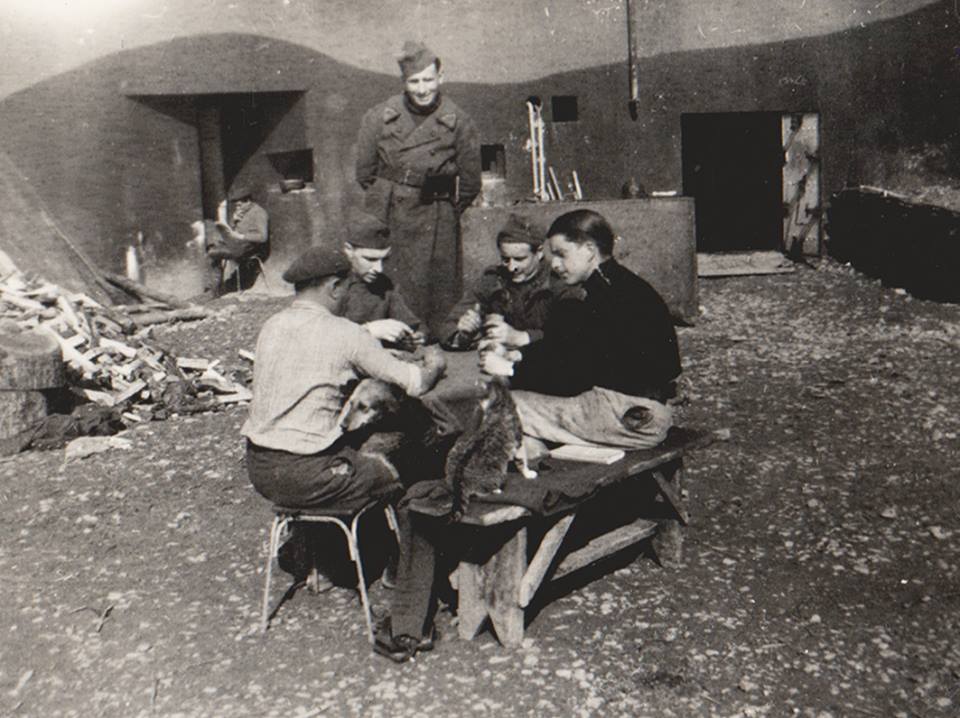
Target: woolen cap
[[316, 263], [415, 57], [519, 229], [367, 231]]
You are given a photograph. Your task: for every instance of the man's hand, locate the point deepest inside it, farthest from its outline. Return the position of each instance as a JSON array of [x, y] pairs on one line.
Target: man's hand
[[495, 365], [388, 330], [496, 329], [434, 364], [228, 230], [470, 321]]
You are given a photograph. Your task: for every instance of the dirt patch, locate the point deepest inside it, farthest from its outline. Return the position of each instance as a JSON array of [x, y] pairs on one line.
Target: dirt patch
[[821, 576]]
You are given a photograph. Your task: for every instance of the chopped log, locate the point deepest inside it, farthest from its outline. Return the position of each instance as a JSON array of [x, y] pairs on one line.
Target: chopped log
[[30, 360], [21, 302], [99, 397], [138, 290], [242, 394], [19, 410], [177, 315], [125, 349], [248, 355], [193, 363], [131, 391]]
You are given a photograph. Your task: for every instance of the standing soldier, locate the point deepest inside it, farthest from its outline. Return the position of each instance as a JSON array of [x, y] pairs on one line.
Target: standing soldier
[[418, 158]]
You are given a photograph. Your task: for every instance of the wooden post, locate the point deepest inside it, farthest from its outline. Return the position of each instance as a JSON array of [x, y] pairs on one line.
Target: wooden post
[[668, 542], [504, 574]]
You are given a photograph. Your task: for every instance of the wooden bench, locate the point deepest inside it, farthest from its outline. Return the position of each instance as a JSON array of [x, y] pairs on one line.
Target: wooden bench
[[500, 581]]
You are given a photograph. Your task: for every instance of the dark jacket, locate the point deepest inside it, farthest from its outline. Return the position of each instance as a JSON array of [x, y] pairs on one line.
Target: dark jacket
[[524, 306], [419, 174], [620, 336], [378, 300]]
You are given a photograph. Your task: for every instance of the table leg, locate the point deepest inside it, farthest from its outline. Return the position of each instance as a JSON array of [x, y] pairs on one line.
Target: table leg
[[493, 589], [668, 543]]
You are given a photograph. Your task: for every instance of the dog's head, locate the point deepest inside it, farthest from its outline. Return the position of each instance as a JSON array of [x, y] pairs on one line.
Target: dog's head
[[370, 401]]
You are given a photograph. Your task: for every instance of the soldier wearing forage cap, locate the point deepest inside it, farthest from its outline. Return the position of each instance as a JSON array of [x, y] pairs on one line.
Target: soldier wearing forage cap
[[514, 296], [371, 297], [418, 159]]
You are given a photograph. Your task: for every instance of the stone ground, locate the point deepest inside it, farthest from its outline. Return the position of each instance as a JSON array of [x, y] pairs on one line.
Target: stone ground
[[822, 575]]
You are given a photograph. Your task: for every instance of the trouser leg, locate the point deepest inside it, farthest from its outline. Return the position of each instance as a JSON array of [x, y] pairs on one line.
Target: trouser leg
[[412, 599]]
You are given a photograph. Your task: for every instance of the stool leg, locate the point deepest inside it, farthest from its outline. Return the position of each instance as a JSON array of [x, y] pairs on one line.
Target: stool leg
[[275, 529], [354, 542]]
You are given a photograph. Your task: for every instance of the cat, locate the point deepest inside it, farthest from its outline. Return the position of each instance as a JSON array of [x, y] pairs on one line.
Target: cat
[[478, 461]]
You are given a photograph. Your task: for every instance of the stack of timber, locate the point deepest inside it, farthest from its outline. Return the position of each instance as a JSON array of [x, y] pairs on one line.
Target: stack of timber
[[107, 356]]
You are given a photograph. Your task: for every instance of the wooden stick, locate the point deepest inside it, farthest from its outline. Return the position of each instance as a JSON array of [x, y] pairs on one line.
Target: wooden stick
[[177, 315], [576, 185], [555, 184], [141, 291]]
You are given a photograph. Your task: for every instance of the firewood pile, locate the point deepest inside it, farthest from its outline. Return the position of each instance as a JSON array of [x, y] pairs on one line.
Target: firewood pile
[[108, 357]]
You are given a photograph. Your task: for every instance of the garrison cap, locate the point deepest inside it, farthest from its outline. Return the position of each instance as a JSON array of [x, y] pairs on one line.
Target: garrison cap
[[415, 57], [316, 263], [519, 229], [367, 231]]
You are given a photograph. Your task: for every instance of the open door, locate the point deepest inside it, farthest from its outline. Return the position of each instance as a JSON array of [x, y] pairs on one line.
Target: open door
[[801, 184], [733, 168]]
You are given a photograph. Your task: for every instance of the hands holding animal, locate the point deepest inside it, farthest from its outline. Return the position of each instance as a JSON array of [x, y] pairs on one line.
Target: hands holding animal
[[495, 328]]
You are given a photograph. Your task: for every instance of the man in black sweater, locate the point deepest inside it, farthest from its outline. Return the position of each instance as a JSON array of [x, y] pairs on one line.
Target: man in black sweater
[[606, 365]]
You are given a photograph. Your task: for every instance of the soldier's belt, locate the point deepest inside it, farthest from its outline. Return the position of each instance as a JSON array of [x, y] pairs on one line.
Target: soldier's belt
[[433, 185]]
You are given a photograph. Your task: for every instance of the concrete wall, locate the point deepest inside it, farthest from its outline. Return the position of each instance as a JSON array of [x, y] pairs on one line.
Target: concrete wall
[[111, 148]]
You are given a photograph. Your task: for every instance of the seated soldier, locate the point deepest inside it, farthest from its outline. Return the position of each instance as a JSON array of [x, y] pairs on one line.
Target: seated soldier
[[238, 244], [371, 299], [606, 365], [514, 294], [297, 455]]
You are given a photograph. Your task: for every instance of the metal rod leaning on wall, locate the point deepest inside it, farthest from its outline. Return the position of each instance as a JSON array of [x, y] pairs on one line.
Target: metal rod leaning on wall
[[555, 185], [534, 152], [578, 192], [543, 157]]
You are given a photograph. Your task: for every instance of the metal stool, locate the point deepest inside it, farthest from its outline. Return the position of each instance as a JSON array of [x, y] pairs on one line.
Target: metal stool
[[347, 522]]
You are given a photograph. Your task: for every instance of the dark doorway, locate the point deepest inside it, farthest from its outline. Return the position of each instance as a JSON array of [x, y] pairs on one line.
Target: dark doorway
[[732, 167]]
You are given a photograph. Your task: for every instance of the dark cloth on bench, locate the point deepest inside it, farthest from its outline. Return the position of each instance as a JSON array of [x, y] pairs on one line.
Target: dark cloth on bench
[[563, 486]]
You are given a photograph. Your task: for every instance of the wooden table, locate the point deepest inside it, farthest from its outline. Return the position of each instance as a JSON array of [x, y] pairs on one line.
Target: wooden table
[[500, 579]]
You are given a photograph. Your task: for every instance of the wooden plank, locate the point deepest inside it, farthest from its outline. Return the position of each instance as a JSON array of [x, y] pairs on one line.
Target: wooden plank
[[248, 355], [500, 515], [471, 607], [605, 545], [541, 561], [503, 574], [125, 349]]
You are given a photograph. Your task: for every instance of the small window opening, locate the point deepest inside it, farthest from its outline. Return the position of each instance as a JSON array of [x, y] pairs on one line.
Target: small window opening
[[294, 165], [564, 108], [493, 160]]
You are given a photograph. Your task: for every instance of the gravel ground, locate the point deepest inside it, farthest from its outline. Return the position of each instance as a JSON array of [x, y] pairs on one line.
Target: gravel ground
[[821, 575]]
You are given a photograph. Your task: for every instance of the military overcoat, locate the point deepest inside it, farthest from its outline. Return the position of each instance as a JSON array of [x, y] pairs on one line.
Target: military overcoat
[[419, 177]]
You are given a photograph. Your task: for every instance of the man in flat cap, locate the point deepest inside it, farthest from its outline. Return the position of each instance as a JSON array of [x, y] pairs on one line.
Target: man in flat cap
[[511, 298], [239, 245], [371, 297], [307, 358], [418, 159]]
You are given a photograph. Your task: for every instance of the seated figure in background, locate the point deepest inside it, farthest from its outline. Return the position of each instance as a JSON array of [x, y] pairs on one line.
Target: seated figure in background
[[238, 245]]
